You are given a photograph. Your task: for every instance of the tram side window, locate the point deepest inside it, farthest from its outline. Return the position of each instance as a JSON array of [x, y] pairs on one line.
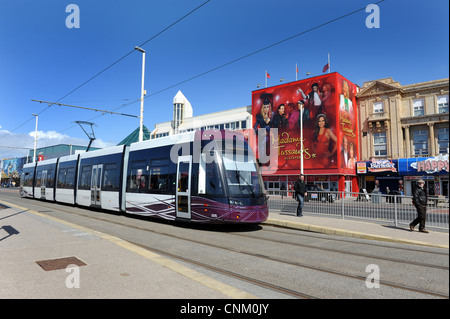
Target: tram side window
[[111, 177], [159, 175], [38, 179], [70, 177], [62, 178], [50, 177], [85, 178], [66, 177], [137, 180]]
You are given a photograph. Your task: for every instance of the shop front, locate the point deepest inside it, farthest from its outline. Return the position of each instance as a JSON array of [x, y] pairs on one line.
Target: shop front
[[284, 184], [383, 174], [401, 175], [433, 170]]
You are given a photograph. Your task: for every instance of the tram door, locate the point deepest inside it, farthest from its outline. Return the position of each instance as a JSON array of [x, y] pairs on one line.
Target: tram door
[[183, 194], [43, 183], [96, 184]]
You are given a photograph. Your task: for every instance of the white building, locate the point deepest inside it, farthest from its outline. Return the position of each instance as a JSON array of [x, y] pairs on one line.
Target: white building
[[184, 121]]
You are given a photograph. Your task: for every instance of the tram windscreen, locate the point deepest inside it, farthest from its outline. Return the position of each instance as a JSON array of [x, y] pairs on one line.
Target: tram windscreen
[[241, 171], [235, 160]]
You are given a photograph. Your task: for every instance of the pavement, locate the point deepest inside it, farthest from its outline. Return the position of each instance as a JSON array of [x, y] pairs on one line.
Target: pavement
[[381, 231], [94, 265]]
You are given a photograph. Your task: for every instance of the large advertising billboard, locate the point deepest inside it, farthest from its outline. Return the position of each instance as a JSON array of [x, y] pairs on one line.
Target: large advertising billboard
[[329, 123], [10, 169]]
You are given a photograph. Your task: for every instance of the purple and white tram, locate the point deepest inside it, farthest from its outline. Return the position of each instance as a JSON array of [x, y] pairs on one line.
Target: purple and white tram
[[202, 176]]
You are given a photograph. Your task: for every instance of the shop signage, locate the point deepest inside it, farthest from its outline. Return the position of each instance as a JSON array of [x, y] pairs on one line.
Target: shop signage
[[382, 166], [432, 164], [361, 168], [377, 166]]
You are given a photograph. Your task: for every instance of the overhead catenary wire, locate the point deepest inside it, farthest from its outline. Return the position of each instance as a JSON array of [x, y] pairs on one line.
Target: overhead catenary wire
[[258, 51], [222, 65], [249, 54], [111, 65], [85, 108], [244, 56], [131, 51]]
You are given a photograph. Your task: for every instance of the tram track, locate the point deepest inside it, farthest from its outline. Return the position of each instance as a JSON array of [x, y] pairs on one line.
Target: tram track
[[365, 243], [278, 288], [409, 262], [266, 257], [350, 253], [228, 273], [248, 279]]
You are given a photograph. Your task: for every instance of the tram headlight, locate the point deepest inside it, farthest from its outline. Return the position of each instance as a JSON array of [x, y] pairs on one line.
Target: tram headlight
[[236, 202]]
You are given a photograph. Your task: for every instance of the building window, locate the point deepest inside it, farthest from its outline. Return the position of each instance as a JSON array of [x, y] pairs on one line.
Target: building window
[[443, 104], [419, 107], [443, 140], [420, 141], [379, 144], [178, 113], [378, 107], [160, 135]]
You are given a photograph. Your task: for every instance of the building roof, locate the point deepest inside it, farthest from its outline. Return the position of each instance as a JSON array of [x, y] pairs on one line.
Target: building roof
[[220, 117], [59, 150], [179, 98], [134, 136]]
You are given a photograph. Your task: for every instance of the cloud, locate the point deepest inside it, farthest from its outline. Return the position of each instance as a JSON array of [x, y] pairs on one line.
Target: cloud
[[19, 144], [49, 134]]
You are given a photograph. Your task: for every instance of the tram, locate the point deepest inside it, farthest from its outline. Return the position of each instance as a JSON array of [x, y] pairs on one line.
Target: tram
[[208, 176]]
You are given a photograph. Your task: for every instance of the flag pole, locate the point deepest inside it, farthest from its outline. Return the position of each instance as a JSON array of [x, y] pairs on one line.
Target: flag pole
[[329, 66], [266, 78], [301, 139]]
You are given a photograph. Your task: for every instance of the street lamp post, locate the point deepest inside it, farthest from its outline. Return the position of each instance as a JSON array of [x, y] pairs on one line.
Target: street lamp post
[[141, 122], [35, 137]]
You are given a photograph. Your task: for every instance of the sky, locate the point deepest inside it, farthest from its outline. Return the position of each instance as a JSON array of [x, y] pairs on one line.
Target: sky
[[42, 59]]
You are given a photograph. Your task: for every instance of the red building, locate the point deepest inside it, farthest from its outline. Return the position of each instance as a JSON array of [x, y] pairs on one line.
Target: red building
[[330, 133]]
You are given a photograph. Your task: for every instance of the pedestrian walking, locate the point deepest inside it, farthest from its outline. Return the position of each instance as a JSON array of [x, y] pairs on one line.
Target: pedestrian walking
[[420, 200], [300, 193]]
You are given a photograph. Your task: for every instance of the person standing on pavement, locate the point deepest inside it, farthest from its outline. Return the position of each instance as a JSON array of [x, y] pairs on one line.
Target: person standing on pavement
[[300, 193], [420, 200]]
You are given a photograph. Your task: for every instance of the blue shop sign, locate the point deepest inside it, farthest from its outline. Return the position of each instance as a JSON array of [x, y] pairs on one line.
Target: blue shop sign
[[437, 165]]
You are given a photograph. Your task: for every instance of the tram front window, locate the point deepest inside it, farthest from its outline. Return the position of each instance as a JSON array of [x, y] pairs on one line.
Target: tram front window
[[242, 175], [236, 163]]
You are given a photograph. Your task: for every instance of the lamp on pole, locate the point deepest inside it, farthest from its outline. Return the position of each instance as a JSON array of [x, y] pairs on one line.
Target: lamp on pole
[[141, 122], [35, 137]]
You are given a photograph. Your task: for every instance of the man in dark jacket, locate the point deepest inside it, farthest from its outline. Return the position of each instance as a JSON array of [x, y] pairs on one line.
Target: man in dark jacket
[[300, 193], [420, 201]]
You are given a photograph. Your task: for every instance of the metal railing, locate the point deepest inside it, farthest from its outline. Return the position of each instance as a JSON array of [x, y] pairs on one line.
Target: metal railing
[[397, 209]]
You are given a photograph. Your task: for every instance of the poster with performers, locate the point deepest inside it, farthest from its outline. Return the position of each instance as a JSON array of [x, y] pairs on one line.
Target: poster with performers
[[324, 108]]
